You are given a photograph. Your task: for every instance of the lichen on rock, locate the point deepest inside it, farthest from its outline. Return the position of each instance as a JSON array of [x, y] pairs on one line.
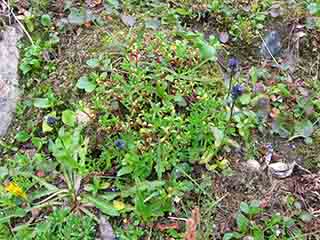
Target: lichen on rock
[[9, 60]]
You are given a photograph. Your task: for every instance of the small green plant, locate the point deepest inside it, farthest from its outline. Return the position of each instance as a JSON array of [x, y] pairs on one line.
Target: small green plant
[[61, 224], [250, 222]]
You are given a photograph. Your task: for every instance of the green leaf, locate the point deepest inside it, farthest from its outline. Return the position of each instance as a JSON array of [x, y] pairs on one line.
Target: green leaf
[[93, 63], [85, 84], [153, 24], [180, 101], [25, 68], [242, 223], [207, 52], [245, 99], [114, 3], [46, 20], [244, 207], [254, 208], [22, 136], [106, 207], [314, 9], [45, 126], [218, 136], [124, 171], [69, 118], [3, 172], [258, 234], [77, 16], [232, 235], [41, 103], [304, 128]]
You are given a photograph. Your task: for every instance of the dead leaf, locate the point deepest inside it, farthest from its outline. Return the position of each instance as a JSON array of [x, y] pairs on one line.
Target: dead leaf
[[276, 11], [129, 21], [274, 113], [105, 228], [224, 37]]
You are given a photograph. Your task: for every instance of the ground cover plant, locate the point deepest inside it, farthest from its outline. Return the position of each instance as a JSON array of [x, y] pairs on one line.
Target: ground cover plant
[[164, 120]]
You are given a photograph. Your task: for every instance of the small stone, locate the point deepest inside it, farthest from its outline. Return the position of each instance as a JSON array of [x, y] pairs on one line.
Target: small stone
[[280, 169], [248, 238], [253, 165], [82, 118]]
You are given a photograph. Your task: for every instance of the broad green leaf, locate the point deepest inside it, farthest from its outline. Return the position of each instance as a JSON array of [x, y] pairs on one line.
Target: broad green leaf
[[153, 24], [85, 84], [232, 235], [314, 8], [25, 68], [106, 207], [304, 129], [45, 126], [258, 234], [41, 103], [114, 3], [242, 223], [207, 52], [124, 171], [22, 136], [93, 63], [46, 20], [245, 99], [218, 136], [77, 16], [180, 101], [3, 172], [69, 118], [244, 207]]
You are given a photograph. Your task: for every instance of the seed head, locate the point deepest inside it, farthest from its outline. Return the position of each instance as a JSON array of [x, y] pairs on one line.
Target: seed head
[[237, 91], [233, 64], [120, 144]]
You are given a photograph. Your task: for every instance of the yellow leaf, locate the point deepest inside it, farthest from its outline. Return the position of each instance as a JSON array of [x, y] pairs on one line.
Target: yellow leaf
[[15, 190], [119, 205]]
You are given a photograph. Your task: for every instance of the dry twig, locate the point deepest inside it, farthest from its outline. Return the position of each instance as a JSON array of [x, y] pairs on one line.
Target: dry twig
[[192, 223], [18, 21]]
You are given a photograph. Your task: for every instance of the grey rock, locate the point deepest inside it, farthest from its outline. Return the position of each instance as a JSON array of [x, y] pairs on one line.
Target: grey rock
[[9, 60], [271, 44]]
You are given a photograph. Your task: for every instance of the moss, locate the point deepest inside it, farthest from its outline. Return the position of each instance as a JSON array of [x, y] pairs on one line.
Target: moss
[[311, 153]]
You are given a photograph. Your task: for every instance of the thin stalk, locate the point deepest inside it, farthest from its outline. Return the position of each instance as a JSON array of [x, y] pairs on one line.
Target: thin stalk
[[231, 111], [230, 85]]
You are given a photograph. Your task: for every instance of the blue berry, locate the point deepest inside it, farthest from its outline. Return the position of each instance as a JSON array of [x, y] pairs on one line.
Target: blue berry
[[51, 121], [237, 91], [120, 144]]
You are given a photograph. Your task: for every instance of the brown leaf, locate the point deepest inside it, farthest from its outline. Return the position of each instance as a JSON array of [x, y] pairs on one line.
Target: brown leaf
[[105, 228]]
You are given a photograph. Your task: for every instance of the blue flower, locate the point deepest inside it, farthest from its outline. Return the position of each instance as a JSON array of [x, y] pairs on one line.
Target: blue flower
[[233, 64], [237, 91], [120, 144], [51, 121]]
